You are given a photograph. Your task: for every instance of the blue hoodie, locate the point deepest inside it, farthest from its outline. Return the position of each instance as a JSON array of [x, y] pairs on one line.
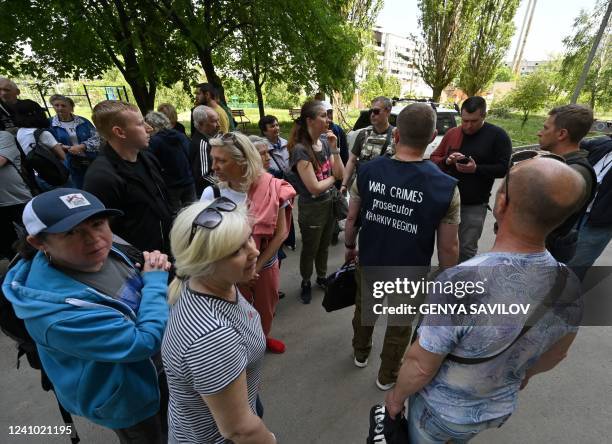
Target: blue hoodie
[[95, 349]]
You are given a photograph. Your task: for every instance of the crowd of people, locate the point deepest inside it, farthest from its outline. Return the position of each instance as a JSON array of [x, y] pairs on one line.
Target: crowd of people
[[149, 280]]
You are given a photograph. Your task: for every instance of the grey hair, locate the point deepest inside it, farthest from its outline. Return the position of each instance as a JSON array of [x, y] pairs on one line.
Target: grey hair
[[158, 121], [256, 140], [200, 115], [386, 102], [10, 82]]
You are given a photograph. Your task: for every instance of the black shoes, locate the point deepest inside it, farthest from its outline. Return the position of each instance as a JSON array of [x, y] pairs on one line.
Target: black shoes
[[322, 282], [306, 293]]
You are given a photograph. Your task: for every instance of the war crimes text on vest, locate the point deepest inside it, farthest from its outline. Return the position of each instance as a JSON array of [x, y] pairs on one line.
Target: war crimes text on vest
[[397, 193]]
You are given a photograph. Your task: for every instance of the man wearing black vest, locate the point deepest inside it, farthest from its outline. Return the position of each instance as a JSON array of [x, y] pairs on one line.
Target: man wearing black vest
[[430, 205], [476, 158], [561, 134]]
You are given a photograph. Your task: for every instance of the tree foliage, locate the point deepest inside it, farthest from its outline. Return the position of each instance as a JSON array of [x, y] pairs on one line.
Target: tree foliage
[[532, 93], [597, 91], [380, 84], [504, 74], [85, 38], [447, 26], [489, 44]]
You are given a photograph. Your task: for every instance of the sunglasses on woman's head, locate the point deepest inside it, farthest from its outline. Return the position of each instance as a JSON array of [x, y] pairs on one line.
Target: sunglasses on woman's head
[[524, 155], [228, 138], [211, 216]]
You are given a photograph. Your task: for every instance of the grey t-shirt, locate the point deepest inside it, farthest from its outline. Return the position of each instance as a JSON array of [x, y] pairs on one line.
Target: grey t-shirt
[[13, 190], [116, 279], [300, 152]]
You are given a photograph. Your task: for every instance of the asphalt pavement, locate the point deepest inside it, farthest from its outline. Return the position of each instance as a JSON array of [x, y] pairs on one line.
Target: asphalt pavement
[[314, 394]]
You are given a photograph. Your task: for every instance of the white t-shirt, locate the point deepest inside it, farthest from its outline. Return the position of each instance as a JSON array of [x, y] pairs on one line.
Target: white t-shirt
[[25, 137], [237, 197], [70, 128]]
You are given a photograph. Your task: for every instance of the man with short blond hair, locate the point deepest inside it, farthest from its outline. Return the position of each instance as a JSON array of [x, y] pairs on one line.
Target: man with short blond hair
[[128, 177]]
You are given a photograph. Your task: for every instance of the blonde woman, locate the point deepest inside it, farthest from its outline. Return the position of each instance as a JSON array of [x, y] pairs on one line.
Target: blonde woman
[[213, 347], [238, 166], [170, 111]]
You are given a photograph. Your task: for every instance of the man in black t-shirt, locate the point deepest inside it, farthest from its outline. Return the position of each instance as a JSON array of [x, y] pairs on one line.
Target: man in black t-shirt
[[483, 156]]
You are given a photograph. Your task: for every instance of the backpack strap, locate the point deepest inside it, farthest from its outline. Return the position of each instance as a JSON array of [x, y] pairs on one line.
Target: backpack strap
[[383, 150], [540, 311]]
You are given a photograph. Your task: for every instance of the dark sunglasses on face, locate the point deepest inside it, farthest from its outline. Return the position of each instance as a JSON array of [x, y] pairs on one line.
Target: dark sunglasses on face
[[375, 111], [211, 216]]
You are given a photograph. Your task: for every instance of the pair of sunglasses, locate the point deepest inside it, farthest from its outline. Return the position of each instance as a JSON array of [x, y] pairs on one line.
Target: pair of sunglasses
[[524, 155], [375, 111], [211, 216], [229, 138]]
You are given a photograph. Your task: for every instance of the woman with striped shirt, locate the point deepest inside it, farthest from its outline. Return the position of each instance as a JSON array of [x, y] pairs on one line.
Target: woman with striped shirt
[[238, 166], [213, 346]]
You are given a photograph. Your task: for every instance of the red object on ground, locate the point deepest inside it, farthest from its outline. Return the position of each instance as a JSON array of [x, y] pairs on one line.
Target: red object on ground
[[275, 346]]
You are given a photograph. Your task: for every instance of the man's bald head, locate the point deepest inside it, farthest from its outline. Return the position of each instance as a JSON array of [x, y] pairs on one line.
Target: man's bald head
[[8, 91], [543, 193]]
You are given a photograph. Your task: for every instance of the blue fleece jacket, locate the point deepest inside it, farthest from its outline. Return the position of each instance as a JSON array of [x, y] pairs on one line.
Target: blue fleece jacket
[[95, 349]]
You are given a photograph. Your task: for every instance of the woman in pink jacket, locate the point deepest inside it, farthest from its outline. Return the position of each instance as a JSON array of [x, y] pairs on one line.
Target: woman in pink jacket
[[238, 168]]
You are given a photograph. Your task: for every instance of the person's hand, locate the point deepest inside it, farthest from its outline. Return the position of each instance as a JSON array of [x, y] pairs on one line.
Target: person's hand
[[468, 168], [453, 158], [343, 190], [393, 405], [350, 255], [76, 149], [155, 261], [331, 139]]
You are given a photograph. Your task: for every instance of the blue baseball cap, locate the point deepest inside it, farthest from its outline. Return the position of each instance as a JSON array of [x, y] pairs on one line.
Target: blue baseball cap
[[62, 209]]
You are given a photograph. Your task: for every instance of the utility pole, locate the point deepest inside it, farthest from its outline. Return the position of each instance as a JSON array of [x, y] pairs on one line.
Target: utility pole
[[587, 65], [517, 67], [520, 36]]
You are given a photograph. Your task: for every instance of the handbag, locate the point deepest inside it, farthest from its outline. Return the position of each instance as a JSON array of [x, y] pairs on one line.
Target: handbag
[[340, 205], [384, 430], [341, 288]]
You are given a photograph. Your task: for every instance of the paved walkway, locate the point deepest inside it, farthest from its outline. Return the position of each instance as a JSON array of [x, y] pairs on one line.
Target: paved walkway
[[314, 394]]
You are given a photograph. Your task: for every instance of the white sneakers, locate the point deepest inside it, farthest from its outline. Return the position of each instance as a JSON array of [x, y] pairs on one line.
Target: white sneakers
[[384, 387], [359, 363]]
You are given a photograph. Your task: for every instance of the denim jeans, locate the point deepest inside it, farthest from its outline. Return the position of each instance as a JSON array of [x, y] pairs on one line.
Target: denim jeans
[[592, 241], [426, 427]]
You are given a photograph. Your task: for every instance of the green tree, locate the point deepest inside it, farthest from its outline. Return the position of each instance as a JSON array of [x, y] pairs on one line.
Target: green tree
[[488, 46], [597, 90], [504, 74], [380, 84], [85, 38], [532, 93], [447, 27]]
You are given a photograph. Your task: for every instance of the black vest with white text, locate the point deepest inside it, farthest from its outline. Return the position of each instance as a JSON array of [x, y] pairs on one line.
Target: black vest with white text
[[402, 204]]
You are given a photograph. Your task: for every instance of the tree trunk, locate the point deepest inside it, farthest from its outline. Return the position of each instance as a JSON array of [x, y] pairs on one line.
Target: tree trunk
[[437, 92], [144, 96], [206, 61]]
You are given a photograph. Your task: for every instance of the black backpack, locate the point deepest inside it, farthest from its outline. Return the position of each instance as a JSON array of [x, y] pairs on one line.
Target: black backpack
[[46, 164], [15, 329]]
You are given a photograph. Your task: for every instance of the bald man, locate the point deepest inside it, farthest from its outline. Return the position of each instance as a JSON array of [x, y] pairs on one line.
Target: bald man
[[8, 99], [461, 399]]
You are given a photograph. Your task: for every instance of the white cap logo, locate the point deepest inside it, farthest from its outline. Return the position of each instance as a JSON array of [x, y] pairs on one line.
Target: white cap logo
[[74, 200]]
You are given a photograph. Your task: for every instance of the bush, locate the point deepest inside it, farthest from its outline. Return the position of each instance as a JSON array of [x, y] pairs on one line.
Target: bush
[[278, 96], [500, 111]]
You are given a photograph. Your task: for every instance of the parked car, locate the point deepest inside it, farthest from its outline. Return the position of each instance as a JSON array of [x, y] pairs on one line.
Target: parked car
[[446, 119]]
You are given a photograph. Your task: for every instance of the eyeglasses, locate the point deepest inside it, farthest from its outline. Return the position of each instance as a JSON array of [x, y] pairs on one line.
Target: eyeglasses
[[375, 111], [524, 155], [211, 216]]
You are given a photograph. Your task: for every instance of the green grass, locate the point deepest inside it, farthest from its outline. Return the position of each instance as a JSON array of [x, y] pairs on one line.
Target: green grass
[[520, 135]]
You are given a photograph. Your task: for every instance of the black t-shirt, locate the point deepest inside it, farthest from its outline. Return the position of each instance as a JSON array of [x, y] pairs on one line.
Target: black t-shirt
[[491, 149], [139, 170]]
